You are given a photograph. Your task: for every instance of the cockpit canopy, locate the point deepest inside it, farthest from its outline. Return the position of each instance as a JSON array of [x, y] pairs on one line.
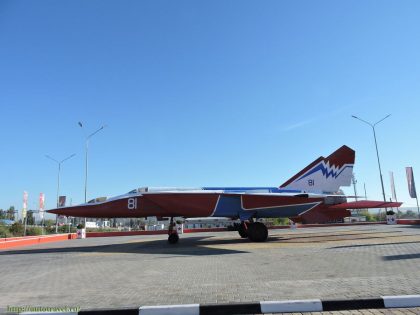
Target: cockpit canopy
[[139, 190], [99, 199], [160, 189]]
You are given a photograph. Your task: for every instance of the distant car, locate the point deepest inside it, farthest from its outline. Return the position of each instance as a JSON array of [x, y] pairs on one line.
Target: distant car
[[7, 222]]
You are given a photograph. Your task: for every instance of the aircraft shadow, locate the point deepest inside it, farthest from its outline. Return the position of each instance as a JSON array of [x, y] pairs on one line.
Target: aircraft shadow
[[342, 235], [191, 246], [371, 245], [409, 226], [401, 257]]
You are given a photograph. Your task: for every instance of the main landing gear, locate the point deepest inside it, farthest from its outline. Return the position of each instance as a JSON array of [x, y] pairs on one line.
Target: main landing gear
[[255, 231], [173, 237], [243, 230]]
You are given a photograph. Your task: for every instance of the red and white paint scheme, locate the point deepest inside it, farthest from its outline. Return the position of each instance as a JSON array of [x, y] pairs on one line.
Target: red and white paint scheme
[[313, 192]]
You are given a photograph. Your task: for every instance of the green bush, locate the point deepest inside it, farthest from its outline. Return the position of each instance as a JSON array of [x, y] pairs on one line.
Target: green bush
[[49, 223], [50, 229], [281, 221], [33, 231], [65, 229], [369, 216], [17, 229], [4, 231], [101, 230]]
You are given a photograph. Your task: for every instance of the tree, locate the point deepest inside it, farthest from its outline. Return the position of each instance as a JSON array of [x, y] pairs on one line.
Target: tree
[[30, 220], [2, 214], [11, 213], [409, 214], [370, 217], [49, 223]]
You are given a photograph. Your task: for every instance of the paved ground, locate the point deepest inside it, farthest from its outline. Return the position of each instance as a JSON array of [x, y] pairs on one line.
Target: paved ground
[[326, 263], [394, 311]]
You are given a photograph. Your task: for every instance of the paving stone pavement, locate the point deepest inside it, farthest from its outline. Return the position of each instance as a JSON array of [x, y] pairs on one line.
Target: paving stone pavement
[[393, 311], [326, 263]]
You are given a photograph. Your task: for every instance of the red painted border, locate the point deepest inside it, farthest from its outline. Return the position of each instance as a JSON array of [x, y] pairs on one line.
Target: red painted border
[[338, 224], [408, 221], [16, 238], [32, 240], [205, 230]]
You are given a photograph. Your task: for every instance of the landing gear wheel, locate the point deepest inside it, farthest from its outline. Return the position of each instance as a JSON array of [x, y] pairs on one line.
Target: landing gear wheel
[[257, 232], [173, 238], [242, 230]]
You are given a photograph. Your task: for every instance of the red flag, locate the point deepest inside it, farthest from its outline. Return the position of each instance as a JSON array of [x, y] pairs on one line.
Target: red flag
[[25, 204], [410, 181], [41, 205], [62, 201], [391, 177]]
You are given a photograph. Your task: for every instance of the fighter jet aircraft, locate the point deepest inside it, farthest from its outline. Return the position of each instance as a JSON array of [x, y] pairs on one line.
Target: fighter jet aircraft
[[314, 190]]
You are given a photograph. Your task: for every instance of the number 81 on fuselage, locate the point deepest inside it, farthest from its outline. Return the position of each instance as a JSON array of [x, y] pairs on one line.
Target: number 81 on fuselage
[[132, 203]]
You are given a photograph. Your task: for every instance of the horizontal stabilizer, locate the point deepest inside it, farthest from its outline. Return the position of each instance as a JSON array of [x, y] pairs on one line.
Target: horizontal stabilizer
[[366, 204]]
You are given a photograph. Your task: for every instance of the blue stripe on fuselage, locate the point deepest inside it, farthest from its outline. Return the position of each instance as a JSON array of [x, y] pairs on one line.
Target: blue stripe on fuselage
[[285, 212], [251, 189], [230, 206]]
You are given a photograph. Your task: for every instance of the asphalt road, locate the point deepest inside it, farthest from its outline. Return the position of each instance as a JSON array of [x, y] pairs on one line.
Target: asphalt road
[[326, 263]]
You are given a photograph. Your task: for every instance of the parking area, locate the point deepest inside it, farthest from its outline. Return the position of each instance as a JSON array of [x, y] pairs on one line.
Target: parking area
[[326, 263]]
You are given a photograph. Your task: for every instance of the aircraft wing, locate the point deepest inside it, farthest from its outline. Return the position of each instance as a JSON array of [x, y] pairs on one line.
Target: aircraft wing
[[233, 205], [366, 204]]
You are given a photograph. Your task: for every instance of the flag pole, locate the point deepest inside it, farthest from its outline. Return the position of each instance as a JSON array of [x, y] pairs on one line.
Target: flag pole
[[24, 231]]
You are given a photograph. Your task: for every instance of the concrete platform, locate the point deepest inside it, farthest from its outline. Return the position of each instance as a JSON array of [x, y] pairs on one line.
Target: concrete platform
[[326, 263]]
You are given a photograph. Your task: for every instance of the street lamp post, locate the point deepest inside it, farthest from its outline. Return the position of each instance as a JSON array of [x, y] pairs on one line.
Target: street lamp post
[[376, 146], [87, 138], [58, 182]]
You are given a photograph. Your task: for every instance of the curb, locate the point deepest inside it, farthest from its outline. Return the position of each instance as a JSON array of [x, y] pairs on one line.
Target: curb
[[6, 243], [287, 306]]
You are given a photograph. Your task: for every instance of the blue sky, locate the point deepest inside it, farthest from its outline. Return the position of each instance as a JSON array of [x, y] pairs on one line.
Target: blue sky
[[227, 93]]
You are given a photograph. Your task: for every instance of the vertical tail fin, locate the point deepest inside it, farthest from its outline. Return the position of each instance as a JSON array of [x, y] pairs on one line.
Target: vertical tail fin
[[325, 175]]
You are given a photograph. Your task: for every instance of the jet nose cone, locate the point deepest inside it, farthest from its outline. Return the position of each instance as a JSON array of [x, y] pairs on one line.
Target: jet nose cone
[[73, 211], [53, 211], [59, 211]]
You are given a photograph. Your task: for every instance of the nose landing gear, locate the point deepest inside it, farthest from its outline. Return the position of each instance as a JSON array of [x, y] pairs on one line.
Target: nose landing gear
[[173, 237]]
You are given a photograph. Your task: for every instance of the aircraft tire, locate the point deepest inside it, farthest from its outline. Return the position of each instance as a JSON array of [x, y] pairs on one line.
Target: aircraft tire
[[243, 232], [173, 238], [257, 232]]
